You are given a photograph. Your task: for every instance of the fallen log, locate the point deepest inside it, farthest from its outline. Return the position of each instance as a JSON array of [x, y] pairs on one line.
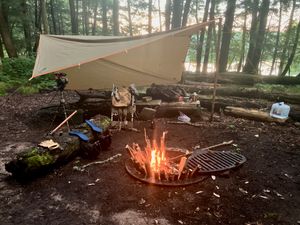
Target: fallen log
[[252, 114], [37, 160], [241, 78], [253, 92]]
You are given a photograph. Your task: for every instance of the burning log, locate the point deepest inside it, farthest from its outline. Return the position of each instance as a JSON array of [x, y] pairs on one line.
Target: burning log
[[154, 161]]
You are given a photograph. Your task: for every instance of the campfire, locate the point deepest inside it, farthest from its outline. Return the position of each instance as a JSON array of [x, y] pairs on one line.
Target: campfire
[[162, 165], [158, 162]]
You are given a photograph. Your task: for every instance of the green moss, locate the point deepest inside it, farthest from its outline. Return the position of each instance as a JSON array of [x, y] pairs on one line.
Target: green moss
[[38, 160]]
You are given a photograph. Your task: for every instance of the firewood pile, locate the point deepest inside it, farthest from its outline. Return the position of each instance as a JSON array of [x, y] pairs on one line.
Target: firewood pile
[[166, 93], [155, 163]]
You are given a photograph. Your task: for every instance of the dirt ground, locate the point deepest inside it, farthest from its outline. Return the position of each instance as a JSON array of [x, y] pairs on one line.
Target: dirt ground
[[265, 190]]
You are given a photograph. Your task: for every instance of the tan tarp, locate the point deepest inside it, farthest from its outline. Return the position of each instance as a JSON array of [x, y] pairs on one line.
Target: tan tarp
[[99, 62]]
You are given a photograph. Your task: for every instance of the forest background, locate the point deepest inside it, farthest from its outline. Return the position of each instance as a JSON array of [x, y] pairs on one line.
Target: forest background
[[258, 36]]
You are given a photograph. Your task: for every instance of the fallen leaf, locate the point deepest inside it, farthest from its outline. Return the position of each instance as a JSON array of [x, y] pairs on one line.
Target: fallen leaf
[[142, 201], [243, 191], [264, 197], [218, 196]]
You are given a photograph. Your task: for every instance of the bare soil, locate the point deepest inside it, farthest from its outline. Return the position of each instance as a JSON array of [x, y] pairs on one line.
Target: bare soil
[[265, 190]]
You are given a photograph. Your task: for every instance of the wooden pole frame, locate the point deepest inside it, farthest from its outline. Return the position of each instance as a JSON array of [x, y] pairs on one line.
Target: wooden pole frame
[[217, 70]]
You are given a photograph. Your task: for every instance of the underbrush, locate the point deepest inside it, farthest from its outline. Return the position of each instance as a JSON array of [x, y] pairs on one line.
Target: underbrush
[[15, 74]]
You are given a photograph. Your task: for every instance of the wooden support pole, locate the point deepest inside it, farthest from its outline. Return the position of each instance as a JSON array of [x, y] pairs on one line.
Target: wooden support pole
[[217, 69]]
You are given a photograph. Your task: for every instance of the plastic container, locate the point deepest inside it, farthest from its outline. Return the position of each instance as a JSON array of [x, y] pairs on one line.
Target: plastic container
[[280, 110]]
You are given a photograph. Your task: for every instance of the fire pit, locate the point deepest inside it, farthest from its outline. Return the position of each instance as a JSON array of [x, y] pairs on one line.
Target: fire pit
[[161, 165]]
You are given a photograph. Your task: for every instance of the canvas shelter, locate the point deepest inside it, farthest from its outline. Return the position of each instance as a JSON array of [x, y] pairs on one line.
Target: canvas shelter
[[98, 62]]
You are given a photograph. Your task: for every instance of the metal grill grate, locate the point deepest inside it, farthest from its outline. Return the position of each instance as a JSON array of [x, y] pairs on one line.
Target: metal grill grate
[[214, 161]]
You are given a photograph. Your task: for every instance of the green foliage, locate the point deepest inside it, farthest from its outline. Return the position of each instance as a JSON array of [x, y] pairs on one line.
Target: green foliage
[[18, 68], [15, 74], [3, 88]]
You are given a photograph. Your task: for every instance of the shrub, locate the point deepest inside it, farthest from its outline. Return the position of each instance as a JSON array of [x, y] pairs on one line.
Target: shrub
[[15, 73]]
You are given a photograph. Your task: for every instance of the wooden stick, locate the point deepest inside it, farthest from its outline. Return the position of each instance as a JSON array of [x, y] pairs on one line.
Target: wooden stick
[[203, 149], [63, 122]]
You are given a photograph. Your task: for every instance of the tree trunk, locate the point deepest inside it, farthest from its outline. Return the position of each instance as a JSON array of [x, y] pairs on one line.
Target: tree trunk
[[168, 14], [44, 16], [53, 17], [61, 22], [150, 17], [186, 10], [291, 58], [201, 39], [26, 26], [104, 17], [74, 20], [248, 68], [287, 40], [116, 29], [159, 16], [177, 13], [277, 39], [95, 18], [85, 16], [1, 50], [5, 34], [243, 45], [129, 17], [37, 24], [209, 37], [227, 30], [263, 17]]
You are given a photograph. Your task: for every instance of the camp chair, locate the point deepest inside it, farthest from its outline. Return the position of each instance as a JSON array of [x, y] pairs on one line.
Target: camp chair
[[123, 102]]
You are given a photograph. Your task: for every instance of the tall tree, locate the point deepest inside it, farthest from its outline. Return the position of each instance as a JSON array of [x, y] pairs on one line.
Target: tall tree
[[209, 36], [243, 44], [177, 13], [129, 17], [44, 16], [227, 31], [168, 14], [283, 55], [253, 32], [186, 11], [201, 39], [150, 16], [291, 58], [74, 17], [95, 12], [85, 17], [26, 26], [1, 50], [53, 16], [116, 29], [263, 17], [104, 17], [277, 39], [6, 33], [159, 15]]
